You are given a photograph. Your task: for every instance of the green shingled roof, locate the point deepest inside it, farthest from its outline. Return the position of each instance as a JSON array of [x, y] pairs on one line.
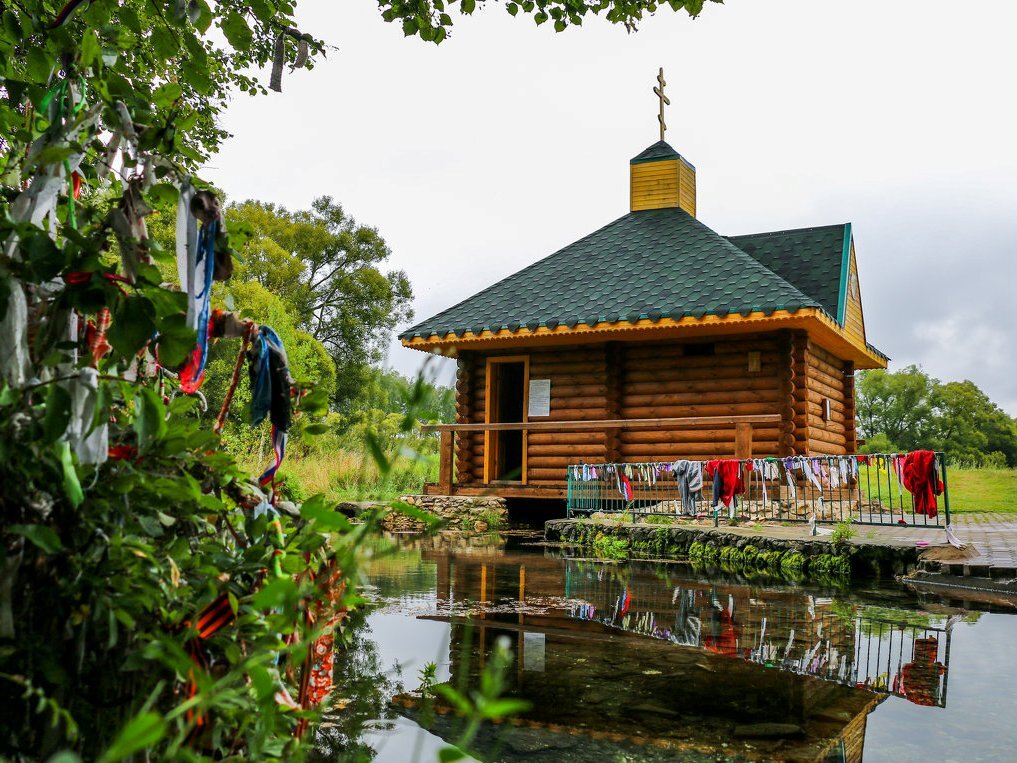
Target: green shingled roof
[[814, 259], [650, 264], [658, 152]]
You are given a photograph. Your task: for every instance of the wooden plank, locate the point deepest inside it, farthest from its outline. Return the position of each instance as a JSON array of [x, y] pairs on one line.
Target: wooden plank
[[743, 440], [445, 451], [592, 426]]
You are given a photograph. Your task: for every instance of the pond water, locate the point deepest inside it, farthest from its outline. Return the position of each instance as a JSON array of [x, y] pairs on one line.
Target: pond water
[[659, 661]]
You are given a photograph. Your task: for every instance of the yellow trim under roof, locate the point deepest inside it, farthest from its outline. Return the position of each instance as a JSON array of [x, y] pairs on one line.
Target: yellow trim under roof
[[820, 327]]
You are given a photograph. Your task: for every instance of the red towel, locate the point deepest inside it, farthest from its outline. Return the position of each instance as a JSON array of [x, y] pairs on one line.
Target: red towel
[[730, 474], [922, 480]]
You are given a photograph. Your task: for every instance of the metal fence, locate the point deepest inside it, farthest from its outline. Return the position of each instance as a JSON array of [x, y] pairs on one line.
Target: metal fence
[[864, 489], [883, 651]]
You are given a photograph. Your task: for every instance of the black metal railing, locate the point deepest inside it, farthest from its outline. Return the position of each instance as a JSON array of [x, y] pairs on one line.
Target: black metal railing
[[864, 489]]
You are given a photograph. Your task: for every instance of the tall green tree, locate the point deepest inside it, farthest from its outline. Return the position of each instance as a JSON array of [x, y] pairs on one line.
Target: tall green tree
[[898, 405], [327, 268], [909, 410]]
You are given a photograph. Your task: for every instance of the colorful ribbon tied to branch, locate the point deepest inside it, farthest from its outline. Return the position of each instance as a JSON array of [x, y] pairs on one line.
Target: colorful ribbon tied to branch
[[193, 373]]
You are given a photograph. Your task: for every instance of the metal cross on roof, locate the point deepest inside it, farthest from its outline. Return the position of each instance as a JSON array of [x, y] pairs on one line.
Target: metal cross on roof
[[659, 91]]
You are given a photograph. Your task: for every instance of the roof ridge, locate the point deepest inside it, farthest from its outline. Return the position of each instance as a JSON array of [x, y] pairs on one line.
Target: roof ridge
[[788, 230]]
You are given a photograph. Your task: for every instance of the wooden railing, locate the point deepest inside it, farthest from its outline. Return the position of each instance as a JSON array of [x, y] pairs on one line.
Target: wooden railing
[[446, 448]]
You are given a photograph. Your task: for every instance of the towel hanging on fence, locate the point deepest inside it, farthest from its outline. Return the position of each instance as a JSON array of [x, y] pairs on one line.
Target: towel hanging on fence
[[922, 480], [727, 481], [689, 475]]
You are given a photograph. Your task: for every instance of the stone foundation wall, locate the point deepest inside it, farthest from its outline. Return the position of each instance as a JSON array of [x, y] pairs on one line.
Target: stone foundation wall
[[711, 545], [467, 513]]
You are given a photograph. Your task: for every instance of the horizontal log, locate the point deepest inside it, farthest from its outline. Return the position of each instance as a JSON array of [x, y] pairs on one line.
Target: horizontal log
[[594, 369], [721, 347], [579, 451], [818, 392], [826, 357], [826, 385], [567, 438], [560, 475], [820, 435], [574, 414], [573, 390], [734, 360], [678, 411], [824, 368], [735, 384], [554, 462], [695, 435], [824, 448], [692, 450], [584, 352], [573, 380], [566, 426], [560, 400], [814, 406], [704, 398]]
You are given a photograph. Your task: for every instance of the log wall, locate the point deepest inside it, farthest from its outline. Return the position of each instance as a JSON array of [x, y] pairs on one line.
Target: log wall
[[617, 380]]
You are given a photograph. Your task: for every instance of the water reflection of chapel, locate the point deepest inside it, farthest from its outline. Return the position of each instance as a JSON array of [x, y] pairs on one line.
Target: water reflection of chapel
[[743, 656]]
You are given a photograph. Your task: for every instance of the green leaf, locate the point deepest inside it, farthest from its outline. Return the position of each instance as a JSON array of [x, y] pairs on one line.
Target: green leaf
[[281, 593], [263, 10], [72, 487], [316, 429], [410, 27], [58, 413], [235, 27], [164, 43], [504, 707], [133, 324], [512, 8], [468, 6], [44, 258], [39, 64], [91, 50], [142, 731], [149, 418], [176, 339], [166, 93], [450, 754], [325, 516], [315, 402], [42, 536], [162, 194]]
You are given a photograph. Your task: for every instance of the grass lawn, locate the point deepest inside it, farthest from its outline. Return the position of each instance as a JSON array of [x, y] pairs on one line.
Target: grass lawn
[[983, 490]]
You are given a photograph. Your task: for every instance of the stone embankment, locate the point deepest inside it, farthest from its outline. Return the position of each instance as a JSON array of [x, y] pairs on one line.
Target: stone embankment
[[789, 549], [466, 513]]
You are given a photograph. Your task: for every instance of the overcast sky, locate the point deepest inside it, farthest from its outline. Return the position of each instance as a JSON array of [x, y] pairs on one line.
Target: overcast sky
[[479, 156]]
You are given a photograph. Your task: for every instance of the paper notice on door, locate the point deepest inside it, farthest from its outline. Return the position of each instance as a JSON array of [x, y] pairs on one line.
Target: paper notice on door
[[539, 399]]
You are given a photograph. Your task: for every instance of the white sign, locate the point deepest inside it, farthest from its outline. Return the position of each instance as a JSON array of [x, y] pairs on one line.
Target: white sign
[[539, 399]]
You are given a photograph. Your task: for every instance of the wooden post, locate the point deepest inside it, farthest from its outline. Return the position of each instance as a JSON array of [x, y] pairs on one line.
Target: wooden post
[[743, 440], [445, 452]]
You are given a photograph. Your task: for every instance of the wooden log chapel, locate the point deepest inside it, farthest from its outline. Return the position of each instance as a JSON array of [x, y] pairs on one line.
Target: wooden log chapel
[[653, 338]]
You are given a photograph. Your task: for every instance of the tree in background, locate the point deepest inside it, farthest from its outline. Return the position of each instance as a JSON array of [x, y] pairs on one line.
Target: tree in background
[[327, 269], [910, 410]]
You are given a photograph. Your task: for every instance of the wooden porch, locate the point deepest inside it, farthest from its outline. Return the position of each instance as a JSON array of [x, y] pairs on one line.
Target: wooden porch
[[743, 436]]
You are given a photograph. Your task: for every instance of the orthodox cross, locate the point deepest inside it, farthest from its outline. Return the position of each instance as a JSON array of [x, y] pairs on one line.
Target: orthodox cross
[[659, 91]]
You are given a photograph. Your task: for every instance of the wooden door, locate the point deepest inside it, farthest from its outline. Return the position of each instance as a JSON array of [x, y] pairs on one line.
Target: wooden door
[[508, 380]]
